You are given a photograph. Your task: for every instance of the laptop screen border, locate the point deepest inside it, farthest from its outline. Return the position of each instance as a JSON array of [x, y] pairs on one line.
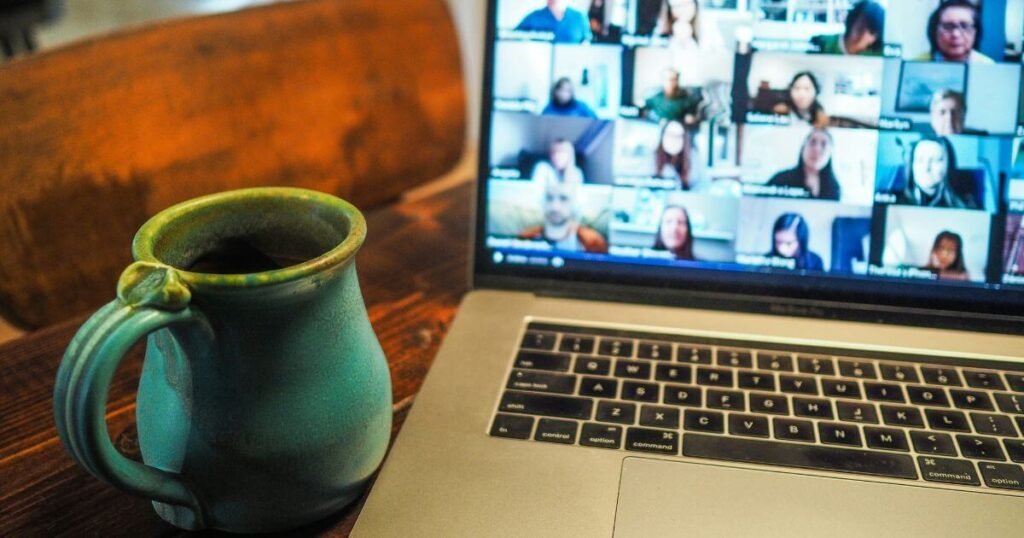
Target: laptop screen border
[[863, 299]]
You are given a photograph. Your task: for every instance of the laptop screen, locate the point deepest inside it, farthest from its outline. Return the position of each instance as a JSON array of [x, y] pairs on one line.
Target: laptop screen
[[865, 150]]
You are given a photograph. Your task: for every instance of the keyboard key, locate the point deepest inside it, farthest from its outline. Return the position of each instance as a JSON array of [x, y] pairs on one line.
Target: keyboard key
[[886, 439], [714, 377], [535, 360], [659, 351], [616, 347], [640, 392], [703, 421], [938, 444], [953, 421], [794, 430], [601, 436], [993, 425], [577, 344], [542, 382], [812, 408], [817, 457], [969, 399], [984, 380], [539, 340], [656, 441], [726, 399], [948, 471], [857, 369], [941, 376], [980, 448], [772, 404], [816, 365], [675, 373], [884, 392], [895, 415], [832, 433], [840, 388], [512, 426], [857, 412], [659, 417], [748, 425], [927, 396], [693, 354], [600, 387], [736, 358], [1002, 476], [899, 372], [1016, 382], [633, 369], [756, 381], [550, 430], [617, 412], [1010, 403], [593, 366], [798, 384], [686, 396], [1014, 449], [546, 405], [775, 362]]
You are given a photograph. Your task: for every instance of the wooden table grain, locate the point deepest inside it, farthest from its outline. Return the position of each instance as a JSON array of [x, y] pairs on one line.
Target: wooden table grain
[[413, 273]]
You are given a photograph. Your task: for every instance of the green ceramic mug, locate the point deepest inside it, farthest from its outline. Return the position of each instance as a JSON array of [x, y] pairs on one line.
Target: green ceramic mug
[[265, 398]]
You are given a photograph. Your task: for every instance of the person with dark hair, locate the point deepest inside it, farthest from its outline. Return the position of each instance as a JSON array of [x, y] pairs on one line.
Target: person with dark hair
[[674, 233], [790, 238], [672, 158], [954, 33], [865, 28], [564, 103], [567, 24], [947, 257], [680, 21], [801, 102], [929, 177], [813, 173]]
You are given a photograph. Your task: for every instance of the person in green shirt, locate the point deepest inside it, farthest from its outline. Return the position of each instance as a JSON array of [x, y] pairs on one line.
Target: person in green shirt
[[673, 102], [865, 27]]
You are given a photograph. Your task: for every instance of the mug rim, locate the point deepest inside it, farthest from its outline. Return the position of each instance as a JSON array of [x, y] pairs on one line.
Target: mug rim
[[143, 246]]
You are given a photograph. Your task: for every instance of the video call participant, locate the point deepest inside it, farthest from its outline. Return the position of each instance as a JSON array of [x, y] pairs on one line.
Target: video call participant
[[947, 111], [680, 20], [673, 157], [813, 173], [673, 102], [801, 103], [568, 25], [947, 257], [564, 102], [561, 164], [561, 227], [790, 237], [674, 233], [598, 28], [932, 165], [954, 32], [865, 26]]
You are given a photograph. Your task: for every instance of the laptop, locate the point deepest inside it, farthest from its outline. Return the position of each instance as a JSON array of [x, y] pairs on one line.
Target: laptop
[[740, 268]]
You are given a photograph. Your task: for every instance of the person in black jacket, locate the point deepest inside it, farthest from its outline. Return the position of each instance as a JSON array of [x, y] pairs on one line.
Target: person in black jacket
[[813, 173]]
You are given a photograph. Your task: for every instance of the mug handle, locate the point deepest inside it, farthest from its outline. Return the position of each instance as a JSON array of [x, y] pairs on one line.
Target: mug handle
[[150, 297]]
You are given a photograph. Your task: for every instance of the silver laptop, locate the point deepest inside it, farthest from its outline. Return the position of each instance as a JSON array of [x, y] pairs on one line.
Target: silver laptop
[[741, 268]]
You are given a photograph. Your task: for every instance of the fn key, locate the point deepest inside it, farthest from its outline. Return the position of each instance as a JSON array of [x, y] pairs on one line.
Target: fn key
[[512, 427]]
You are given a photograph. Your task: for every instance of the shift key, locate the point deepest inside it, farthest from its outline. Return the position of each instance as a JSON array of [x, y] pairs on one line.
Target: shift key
[[546, 405]]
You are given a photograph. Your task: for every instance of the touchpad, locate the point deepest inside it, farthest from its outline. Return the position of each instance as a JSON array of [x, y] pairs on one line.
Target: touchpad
[[665, 498]]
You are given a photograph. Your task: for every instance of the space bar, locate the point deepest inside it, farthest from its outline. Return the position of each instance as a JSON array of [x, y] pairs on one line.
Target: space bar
[[816, 457]]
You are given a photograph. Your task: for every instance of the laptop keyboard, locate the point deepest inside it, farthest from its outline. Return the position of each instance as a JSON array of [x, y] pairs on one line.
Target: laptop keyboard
[[910, 418]]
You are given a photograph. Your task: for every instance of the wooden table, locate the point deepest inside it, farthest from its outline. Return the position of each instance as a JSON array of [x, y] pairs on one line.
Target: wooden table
[[413, 271]]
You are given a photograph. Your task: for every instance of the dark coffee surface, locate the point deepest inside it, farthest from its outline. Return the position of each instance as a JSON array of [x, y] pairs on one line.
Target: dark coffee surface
[[239, 256]]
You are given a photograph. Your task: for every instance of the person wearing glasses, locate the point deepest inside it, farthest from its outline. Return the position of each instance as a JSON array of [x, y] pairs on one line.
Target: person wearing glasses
[[954, 32]]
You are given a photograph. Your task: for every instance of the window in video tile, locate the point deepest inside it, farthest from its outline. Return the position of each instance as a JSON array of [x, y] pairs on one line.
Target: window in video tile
[[677, 226], [955, 172], [934, 244], [811, 236]]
